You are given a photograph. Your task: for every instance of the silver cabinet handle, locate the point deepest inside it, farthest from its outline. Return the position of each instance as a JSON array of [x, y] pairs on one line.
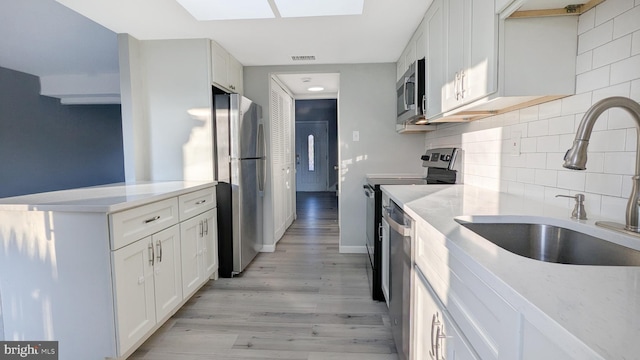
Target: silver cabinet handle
[[456, 81], [152, 254], [157, 217], [159, 246], [434, 323], [424, 103], [380, 232], [206, 226], [462, 89], [201, 202], [201, 225], [440, 336]]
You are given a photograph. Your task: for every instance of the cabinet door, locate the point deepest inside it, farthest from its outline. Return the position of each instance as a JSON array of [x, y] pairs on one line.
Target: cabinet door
[[457, 18], [191, 232], [134, 292], [434, 67], [167, 271], [235, 75], [435, 336], [480, 75], [219, 65], [210, 243], [385, 260]]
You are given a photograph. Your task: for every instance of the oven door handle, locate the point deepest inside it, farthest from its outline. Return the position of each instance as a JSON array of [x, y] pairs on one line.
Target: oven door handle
[[403, 230]]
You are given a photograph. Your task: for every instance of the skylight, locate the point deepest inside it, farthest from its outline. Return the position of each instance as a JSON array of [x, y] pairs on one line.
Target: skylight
[[305, 8], [204, 10]]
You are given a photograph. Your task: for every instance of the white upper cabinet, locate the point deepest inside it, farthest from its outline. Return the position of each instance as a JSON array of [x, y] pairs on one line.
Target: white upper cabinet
[[471, 51], [226, 71], [479, 63]]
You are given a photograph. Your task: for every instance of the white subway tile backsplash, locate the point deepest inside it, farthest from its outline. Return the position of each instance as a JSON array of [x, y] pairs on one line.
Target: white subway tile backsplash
[[538, 128], [620, 119], [605, 184], [536, 160], [631, 139], [635, 43], [526, 175], [627, 22], [575, 104], [610, 9], [595, 37], [622, 163], [596, 162], [535, 192], [546, 177], [594, 79], [515, 188], [627, 184], [529, 114], [572, 180], [615, 90], [626, 69], [613, 51], [555, 160], [592, 204], [587, 21], [562, 125], [528, 145], [509, 174], [546, 144], [549, 109], [584, 62], [609, 140], [614, 208]]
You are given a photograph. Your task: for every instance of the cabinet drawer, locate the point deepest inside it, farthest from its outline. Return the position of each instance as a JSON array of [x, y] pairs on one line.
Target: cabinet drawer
[[488, 321], [197, 202], [130, 225]]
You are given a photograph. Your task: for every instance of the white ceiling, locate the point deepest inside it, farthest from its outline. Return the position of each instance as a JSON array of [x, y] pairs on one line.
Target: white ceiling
[[379, 35], [43, 37]]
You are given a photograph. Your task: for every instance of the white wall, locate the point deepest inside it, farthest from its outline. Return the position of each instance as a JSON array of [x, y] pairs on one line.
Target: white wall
[[366, 104], [167, 109], [608, 64]]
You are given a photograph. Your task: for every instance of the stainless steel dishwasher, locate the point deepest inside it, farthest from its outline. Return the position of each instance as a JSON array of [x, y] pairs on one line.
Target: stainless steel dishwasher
[[400, 228]]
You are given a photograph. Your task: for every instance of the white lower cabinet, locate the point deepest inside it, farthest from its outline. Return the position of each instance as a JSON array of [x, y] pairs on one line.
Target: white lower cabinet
[[199, 255], [148, 284], [435, 335]]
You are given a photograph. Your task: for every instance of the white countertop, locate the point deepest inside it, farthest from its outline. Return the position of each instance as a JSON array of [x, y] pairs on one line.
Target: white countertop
[[103, 198], [600, 305]]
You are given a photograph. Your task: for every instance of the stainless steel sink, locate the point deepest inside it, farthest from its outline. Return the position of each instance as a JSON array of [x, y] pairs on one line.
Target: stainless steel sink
[[554, 244]]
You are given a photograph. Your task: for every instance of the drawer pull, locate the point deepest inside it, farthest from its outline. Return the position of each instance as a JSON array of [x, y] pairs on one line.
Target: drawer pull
[[152, 219], [201, 202]]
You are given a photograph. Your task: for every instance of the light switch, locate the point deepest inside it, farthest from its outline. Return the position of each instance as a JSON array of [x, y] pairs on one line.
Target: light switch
[[356, 135]]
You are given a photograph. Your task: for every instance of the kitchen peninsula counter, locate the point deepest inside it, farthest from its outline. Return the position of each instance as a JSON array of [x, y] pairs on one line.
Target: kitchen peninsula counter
[[599, 305]]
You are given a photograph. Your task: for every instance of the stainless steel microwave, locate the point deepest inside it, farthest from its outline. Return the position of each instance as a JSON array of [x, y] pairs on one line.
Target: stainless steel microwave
[[410, 91]]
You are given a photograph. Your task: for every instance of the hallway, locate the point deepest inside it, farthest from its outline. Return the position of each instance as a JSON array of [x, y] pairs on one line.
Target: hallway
[[305, 301]]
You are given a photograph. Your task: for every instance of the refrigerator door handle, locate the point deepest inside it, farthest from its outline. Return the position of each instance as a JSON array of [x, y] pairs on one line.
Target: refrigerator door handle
[[261, 154]]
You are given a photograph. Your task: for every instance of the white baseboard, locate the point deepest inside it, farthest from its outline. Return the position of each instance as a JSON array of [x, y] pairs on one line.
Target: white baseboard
[[268, 248], [353, 249]]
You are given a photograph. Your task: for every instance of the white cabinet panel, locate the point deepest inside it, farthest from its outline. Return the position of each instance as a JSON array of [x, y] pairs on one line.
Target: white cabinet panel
[[134, 292], [434, 66], [196, 202], [167, 271], [132, 225], [198, 251], [226, 71], [471, 51], [435, 335]]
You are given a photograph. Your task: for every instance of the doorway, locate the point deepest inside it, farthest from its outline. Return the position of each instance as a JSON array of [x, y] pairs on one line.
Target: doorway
[[312, 157]]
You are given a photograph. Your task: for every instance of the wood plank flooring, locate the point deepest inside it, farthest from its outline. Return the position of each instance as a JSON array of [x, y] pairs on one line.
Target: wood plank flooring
[[305, 301]]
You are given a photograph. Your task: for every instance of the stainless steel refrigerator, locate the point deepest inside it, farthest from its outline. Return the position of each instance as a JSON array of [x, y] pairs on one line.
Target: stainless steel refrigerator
[[240, 172]]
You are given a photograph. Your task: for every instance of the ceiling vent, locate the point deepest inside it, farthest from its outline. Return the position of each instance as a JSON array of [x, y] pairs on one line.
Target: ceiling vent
[[303, 57]]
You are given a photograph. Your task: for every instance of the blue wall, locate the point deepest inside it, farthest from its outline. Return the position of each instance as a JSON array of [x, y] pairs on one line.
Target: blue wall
[[46, 146]]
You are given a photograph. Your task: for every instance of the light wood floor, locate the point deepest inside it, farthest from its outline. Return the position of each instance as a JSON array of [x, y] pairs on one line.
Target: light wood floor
[[305, 301]]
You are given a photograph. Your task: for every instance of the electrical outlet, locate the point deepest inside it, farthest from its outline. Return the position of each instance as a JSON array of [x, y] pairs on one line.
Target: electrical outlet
[[514, 143]]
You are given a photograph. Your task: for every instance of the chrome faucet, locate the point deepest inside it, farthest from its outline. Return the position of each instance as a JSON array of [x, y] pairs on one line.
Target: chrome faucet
[[576, 157]]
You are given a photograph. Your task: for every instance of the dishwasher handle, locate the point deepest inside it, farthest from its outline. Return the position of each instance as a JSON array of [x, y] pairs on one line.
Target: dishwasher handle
[[399, 228]]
